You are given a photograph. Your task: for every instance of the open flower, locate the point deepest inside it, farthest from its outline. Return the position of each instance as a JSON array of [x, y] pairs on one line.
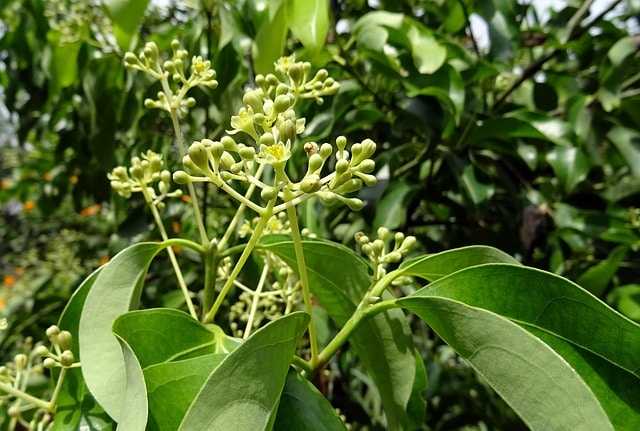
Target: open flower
[[274, 154], [243, 122]]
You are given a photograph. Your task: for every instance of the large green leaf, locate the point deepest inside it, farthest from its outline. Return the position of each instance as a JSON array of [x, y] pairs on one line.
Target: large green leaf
[[428, 54], [302, 407], [339, 278], [309, 21], [151, 341], [116, 290], [242, 393], [172, 386], [597, 278], [75, 404], [538, 384], [126, 16], [549, 302], [432, 267]]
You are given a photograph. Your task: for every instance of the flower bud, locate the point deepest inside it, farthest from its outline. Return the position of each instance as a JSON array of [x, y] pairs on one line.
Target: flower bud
[[226, 160], [393, 257], [150, 104], [266, 139], [377, 246], [188, 164], [341, 142], [408, 243], [369, 180], [383, 233], [268, 193], [282, 103], [282, 89], [130, 59], [368, 148], [310, 184], [175, 44], [366, 166], [326, 150], [341, 166], [21, 361], [247, 153], [198, 155], [260, 81], [52, 331], [398, 237], [229, 143], [41, 350], [296, 73], [361, 238], [315, 163], [321, 75], [355, 204], [14, 411], [165, 176], [181, 177], [67, 358], [137, 172], [349, 186], [217, 148], [367, 248], [64, 340], [310, 148], [49, 363], [253, 98]]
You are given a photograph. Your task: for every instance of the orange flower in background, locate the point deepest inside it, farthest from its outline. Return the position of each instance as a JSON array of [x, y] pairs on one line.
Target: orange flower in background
[[104, 259], [90, 210], [176, 226], [3, 303], [9, 280], [5, 183], [28, 206], [186, 198], [47, 176]]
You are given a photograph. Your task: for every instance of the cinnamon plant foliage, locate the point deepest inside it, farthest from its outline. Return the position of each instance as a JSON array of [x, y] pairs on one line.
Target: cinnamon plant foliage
[[281, 200]]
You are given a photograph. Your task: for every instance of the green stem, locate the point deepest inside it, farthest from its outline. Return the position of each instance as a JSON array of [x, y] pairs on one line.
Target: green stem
[[181, 242], [181, 147], [304, 279], [256, 299], [241, 261], [172, 256], [24, 396], [233, 250], [210, 270], [56, 391], [239, 212], [306, 366], [362, 312]]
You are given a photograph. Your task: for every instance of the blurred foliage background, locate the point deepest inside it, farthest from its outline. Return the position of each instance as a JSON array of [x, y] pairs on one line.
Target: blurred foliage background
[[499, 122]]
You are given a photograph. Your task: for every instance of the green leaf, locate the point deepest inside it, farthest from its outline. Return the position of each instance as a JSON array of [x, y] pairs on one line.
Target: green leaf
[[477, 191], [428, 54], [391, 211], [435, 266], [126, 16], [302, 407], [446, 85], [383, 343], [156, 338], [549, 302], [627, 141], [75, 403], [245, 388], [172, 386], [309, 21], [535, 381], [597, 278], [116, 290], [621, 50], [627, 300], [269, 42], [134, 413], [570, 164]]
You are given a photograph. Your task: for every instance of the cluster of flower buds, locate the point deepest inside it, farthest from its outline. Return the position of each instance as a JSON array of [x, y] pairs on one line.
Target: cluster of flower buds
[[149, 61], [388, 247], [60, 354], [351, 171], [297, 74], [143, 173], [77, 20]]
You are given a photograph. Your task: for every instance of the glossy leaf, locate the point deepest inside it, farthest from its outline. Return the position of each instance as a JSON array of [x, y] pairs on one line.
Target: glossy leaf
[[270, 40], [134, 413], [535, 381], [549, 302], [627, 141], [570, 165], [391, 211], [245, 388], [597, 278], [382, 343], [126, 16], [302, 407], [428, 54], [116, 290], [309, 21]]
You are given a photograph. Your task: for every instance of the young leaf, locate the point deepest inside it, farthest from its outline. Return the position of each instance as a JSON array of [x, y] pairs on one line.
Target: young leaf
[[570, 164], [116, 290], [597, 278], [270, 40], [628, 143], [302, 407], [383, 343], [309, 21], [126, 16], [538, 384], [242, 393]]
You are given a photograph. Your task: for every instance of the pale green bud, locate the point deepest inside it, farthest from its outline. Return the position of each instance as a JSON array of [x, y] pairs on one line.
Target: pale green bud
[[52, 331], [368, 148], [369, 180], [341, 166], [296, 73], [130, 59], [217, 148], [377, 246], [165, 176], [266, 139], [315, 162], [310, 184], [341, 142], [326, 150], [175, 44], [49, 363], [383, 233], [181, 177], [268, 193], [198, 155], [366, 166], [41, 350], [355, 204], [21, 361], [247, 153], [321, 75], [137, 172], [254, 99], [349, 186], [408, 243], [67, 358], [64, 340], [226, 160], [272, 79], [393, 257], [282, 89], [229, 143], [282, 103]]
